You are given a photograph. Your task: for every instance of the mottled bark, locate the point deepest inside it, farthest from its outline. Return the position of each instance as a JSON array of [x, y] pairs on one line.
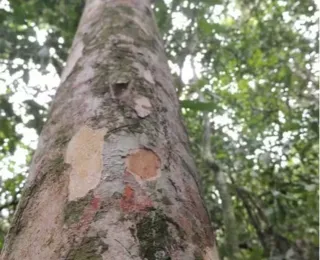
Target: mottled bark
[[113, 176]]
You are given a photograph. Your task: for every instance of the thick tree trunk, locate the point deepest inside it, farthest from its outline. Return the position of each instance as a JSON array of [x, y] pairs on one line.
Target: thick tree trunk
[[113, 177]]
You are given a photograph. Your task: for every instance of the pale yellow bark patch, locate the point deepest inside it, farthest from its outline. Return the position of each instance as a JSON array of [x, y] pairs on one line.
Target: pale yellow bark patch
[[142, 106], [84, 154]]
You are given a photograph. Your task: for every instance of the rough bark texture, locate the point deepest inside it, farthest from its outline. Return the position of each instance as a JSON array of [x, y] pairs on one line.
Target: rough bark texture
[[113, 177]]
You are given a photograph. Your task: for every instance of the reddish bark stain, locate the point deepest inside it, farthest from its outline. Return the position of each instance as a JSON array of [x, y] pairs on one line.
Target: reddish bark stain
[[87, 216], [134, 201], [95, 203], [143, 163], [127, 201], [80, 228]]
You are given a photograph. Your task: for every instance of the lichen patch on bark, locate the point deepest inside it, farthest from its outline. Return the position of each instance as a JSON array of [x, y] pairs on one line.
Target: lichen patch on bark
[[155, 237], [84, 154], [142, 106], [144, 164], [148, 76]]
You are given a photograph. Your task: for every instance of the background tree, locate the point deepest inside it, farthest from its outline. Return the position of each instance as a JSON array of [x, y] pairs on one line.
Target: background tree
[[113, 176], [255, 68]]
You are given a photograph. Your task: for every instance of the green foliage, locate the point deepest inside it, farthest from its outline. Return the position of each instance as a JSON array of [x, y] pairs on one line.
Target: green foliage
[[197, 105], [38, 112], [10, 190], [257, 84], [8, 120]]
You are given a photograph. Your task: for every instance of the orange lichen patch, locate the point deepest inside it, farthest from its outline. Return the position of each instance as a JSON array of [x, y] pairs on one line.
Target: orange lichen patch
[[143, 163], [127, 201], [134, 201], [84, 153], [128, 193]]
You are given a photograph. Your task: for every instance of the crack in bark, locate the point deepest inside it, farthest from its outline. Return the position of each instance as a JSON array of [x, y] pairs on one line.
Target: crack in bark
[[174, 185], [124, 248], [118, 128]]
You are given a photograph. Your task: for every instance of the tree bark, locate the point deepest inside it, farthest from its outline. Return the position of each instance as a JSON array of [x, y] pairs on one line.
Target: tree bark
[[113, 176]]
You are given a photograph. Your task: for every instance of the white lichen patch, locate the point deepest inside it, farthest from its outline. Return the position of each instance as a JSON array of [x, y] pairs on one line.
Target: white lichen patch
[[148, 76], [142, 106], [117, 235], [84, 154]]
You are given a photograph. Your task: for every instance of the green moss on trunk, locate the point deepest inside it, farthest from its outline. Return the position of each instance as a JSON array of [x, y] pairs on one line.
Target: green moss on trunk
[[90, 249], [154, 236], [73, 210]]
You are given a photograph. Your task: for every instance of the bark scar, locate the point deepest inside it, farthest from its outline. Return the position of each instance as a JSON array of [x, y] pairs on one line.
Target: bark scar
[[144, 164]]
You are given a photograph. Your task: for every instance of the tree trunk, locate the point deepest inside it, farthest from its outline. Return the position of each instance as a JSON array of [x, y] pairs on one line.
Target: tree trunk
[[113, 176]]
